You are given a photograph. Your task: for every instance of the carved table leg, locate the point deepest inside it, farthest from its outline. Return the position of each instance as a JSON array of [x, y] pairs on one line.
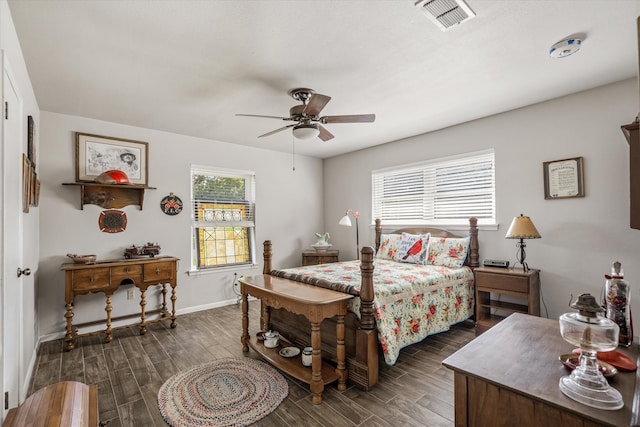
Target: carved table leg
[[69, 335], [265, 315], [173, 305], [108, 309], [316, 385], [245, 322], [163, 309], [143, 303], [341, 369]]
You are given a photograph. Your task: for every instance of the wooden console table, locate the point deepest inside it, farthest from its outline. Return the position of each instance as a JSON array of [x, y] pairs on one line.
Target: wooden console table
[[509, 375], [313, 302], [107, 276]]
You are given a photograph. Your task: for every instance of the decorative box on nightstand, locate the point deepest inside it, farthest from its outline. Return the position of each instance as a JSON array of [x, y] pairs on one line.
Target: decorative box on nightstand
[[312, 257], [522, 291]]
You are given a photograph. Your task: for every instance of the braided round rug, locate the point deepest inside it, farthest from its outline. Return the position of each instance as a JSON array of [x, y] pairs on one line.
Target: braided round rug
[[224, 392]]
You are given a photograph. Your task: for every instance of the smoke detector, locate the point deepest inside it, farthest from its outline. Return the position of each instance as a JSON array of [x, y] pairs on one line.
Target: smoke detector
[[446, 13], [565, 47]]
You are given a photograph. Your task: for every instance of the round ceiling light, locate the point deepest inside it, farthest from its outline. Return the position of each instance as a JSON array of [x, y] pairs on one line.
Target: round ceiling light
[[306, 131], [565, 47]]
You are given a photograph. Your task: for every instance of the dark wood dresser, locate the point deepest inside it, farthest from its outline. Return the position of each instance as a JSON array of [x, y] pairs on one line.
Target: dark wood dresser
[[319, 257], [509, 376]]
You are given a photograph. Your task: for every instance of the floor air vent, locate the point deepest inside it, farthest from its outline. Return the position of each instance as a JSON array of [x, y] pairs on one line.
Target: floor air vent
[[446, 13]]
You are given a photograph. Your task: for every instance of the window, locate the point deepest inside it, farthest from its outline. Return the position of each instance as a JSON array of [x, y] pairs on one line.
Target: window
[[223, 217], [438, 192]]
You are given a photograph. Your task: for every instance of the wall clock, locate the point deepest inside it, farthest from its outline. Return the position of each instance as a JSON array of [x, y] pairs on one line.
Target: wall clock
[[112, 221], [171, 204]]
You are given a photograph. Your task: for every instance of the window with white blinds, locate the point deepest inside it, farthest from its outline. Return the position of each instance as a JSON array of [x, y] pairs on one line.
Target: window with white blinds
[[439, 192], [223, 214]]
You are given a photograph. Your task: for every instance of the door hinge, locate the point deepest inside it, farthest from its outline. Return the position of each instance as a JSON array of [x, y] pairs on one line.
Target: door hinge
[[6, 400], [6, 110]]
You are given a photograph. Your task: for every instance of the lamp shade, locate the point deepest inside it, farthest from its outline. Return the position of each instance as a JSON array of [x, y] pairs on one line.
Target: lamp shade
[[345, 220], [306, 131], [522, 228]]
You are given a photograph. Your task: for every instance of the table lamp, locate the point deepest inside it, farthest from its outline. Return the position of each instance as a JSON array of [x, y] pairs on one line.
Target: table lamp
[[522, 228], [346, 221]]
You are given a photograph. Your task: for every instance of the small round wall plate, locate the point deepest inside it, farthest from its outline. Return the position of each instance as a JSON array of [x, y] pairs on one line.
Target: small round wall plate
[[171, 204], [112, 221]]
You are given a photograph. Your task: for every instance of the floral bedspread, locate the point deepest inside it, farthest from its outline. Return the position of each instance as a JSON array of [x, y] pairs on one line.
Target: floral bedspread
[[412, 301]]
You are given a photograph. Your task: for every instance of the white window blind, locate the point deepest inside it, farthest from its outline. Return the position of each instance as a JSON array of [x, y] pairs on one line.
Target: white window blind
[[438, 192]]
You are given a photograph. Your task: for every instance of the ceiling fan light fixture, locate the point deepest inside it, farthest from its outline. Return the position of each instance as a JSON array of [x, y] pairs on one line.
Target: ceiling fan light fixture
[[306, 131]]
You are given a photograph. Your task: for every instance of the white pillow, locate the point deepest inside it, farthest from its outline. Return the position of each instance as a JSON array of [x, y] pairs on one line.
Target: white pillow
[[388, 246], [413, 248], [448, 252]]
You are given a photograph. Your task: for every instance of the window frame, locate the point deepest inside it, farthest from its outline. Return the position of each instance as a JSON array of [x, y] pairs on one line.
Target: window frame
[[425, 176], [248, 223]]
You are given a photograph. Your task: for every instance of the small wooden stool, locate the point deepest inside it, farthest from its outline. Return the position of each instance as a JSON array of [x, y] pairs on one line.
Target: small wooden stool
[[67, 403]]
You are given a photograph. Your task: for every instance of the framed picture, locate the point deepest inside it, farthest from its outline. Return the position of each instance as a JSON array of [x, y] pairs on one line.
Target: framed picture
[[564, 178], [26, 183], [31, 148], [96, 154], [35, 188]]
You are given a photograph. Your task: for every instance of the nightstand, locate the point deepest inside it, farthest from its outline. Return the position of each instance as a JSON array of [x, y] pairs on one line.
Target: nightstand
[[319, 257], [518, 285]]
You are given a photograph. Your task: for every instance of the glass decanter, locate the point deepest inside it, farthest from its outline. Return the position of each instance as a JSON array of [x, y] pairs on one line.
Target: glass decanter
[[592, 333]]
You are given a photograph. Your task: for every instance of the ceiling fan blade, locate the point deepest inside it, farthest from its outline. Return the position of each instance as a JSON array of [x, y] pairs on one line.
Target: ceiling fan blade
[[354, 118], [324, 134], [276, 131], [265, 117], [316, 104]]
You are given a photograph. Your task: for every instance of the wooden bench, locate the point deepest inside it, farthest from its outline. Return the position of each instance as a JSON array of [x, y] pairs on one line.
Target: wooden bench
[[64, 404]]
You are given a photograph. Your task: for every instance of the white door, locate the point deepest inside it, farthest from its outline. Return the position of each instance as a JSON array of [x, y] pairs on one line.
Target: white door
[[11, 229]]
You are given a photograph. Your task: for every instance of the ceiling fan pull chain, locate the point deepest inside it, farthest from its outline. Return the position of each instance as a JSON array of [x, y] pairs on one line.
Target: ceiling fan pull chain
[[293, 152]]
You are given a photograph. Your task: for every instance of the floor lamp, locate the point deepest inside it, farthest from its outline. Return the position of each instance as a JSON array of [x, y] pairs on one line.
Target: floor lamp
[[346, 221]]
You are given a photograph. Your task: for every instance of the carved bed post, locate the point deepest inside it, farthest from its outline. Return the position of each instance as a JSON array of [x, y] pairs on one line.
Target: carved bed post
[[378, 233], [267, 255], [474, 256], [367, 334]]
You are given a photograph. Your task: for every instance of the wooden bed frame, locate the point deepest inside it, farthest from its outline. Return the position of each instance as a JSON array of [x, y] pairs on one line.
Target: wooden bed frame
[[361, 335]]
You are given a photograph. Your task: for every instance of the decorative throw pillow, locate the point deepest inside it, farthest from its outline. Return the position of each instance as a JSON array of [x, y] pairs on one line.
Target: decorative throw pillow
[[388, 246], [413, 248], [448, 252]]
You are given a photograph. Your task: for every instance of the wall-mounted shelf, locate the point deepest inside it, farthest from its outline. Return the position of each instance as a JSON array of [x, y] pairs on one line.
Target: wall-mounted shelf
[[110, 196]]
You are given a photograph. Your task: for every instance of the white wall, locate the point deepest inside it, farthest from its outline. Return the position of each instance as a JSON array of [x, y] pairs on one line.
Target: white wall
[[288, 211], [581, 237]]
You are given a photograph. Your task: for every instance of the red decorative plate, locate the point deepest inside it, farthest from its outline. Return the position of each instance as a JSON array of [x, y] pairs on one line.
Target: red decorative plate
[[112, 221], [572, 361], [615, 358]]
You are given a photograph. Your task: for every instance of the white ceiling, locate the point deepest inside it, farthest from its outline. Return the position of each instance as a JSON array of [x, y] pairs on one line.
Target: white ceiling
[[188, 66]]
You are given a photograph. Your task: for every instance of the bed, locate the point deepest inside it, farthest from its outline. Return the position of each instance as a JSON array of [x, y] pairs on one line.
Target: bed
[[398, 301]]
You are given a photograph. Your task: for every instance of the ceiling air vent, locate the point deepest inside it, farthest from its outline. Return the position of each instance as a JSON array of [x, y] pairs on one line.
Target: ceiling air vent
[[446, 13]]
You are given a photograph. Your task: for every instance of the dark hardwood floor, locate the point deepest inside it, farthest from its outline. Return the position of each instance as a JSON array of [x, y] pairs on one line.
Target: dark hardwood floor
[[417, 391]]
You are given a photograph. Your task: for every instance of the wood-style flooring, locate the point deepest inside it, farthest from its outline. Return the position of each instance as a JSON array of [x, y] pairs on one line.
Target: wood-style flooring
[[416, 391]]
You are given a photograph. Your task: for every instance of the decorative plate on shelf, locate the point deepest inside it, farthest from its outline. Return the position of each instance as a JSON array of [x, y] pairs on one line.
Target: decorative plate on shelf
[[112, 221], [290, 352], [171, 204]]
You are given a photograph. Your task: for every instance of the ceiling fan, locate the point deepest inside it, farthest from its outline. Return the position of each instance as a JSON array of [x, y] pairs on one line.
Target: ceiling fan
[[308, 122]]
